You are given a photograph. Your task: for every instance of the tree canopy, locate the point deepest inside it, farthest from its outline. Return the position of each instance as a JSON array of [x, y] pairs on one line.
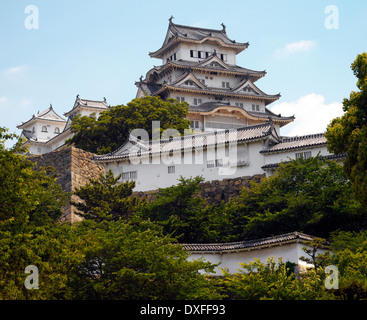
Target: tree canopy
[[348, 133], [113, 127], [307, 195], [106, 198]]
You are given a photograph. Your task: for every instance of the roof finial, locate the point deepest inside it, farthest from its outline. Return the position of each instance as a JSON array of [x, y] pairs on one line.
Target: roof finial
[[170, 19], [104, 99], [50, 105], [224, 27], [77, 96], [141, 78]]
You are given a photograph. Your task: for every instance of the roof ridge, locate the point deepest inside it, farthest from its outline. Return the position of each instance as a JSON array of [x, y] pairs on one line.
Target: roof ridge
[[196, 28], [303, 137]]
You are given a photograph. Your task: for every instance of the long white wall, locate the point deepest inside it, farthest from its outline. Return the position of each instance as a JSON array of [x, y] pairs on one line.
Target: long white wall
[[154, 173], [291, 252]]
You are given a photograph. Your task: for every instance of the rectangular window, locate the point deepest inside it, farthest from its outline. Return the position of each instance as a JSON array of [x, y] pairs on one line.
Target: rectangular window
[[132, 175], [195, 124], [257, 108], [195, 102], [304, 155], [199, 101], [191, 53], [199, 54], [210, 164], [171, 169], [219, 163], [253, 107]]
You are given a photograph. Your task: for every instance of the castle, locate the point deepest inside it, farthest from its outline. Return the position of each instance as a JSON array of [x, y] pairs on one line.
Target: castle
[[235, 134], [233, 137]]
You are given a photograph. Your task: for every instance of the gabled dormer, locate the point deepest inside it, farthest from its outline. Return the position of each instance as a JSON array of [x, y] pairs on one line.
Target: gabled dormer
[[188, 79], [214, 61], [193, 43], [247, 87]]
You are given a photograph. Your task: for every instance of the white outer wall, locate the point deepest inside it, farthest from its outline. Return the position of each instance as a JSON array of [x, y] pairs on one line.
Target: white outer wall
[[291, 252], [153, 176], [284, 156]]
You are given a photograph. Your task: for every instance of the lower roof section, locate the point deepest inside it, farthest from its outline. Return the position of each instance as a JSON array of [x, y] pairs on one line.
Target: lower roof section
[[247, 245]]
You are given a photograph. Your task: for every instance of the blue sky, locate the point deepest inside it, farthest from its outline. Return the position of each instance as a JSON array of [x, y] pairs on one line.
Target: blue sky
[[100, 48]]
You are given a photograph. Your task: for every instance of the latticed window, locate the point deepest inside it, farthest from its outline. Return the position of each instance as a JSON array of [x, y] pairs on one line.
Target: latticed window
[[304, 155], [132, 175]]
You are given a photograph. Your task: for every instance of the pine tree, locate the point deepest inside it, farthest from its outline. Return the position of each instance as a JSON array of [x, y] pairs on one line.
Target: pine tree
[[106, 198]]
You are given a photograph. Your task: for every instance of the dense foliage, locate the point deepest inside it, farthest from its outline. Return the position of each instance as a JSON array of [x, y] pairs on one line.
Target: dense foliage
[[348, 134], [113, 127]]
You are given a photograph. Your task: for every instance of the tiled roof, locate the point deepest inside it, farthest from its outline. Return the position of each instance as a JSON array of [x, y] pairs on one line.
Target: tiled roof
[[94, 104], [199, 65], [298, 142], [49, 114], [246, 245], [198, 140], [210, 106], [220, 92], [177, 33], [196, 33]]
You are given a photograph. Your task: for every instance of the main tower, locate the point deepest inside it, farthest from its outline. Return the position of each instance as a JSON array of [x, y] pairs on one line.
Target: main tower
[[199, 67]]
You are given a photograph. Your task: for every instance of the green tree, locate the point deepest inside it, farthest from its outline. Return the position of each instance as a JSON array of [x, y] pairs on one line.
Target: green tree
[[350, 256], [55, 250], [26, 195], [273, 281], [134, 260], [316, 259], [307, 195], [180, 211], [348, 134], [112, 128], [106, 198]]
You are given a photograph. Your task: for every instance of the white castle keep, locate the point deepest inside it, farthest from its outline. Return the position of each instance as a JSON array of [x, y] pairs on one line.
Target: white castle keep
[[235, 134]]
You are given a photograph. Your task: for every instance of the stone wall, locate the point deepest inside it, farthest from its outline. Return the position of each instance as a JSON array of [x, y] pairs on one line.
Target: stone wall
[[214, 192], [74, 167]]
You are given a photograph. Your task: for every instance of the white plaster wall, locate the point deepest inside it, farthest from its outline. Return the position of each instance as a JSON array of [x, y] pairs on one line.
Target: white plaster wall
[[291, 252], [291, 154], [183, 52], [50, 125], [153, 174]]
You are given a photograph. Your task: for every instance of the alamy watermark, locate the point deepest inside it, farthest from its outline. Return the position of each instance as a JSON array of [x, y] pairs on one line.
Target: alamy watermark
[[216, 149], [332, 280], [31, 21], [32, 281], [332, 20]]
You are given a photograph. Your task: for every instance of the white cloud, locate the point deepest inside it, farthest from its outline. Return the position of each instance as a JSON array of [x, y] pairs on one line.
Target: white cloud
[[14, 71], [295, 47], [2, 99], [311, 113]]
